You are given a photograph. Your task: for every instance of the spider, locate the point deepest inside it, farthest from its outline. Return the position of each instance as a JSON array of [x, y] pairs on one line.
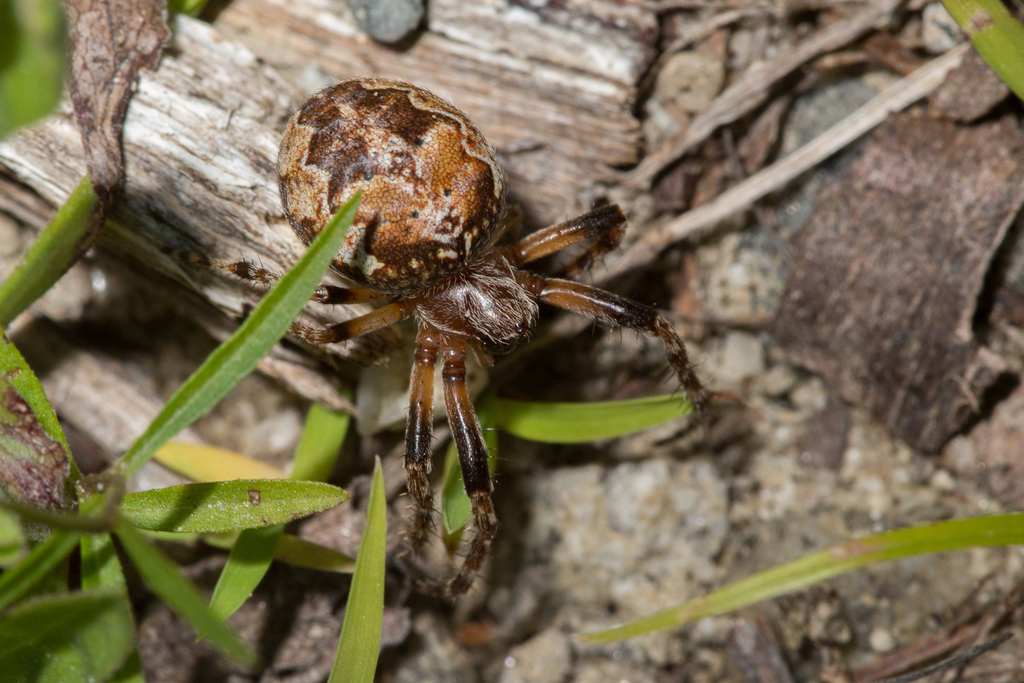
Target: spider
[[434, 199]]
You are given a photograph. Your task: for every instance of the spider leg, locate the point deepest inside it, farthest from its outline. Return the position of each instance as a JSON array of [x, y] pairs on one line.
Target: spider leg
[[363, 324], [419, 431], [469, 442], [606, 224], [246, 270], [616, 310]]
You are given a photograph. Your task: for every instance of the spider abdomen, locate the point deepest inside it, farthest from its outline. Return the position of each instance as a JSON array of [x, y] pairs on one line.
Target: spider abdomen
[[433, 192]]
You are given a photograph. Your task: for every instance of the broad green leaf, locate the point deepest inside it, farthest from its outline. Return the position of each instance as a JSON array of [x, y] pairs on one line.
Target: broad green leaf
[[237, 356], [66, 639], [35, 464], [583, 422], [998, 37], [996, 530], [302, 553], [17, 581], [320, 444], [164, 579], [13, 546], [359, 645], [209, 463], [101, 569], [62, 242], [247, 564], [255, 549], [31, 61], [228, 505], [455, 506]]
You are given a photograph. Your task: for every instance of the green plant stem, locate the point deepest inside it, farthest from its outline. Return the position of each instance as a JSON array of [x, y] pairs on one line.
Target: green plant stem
[[62, 242]]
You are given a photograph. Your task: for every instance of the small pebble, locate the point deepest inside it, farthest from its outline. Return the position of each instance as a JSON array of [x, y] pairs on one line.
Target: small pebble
[[881, 640], [939, 31], [742, 359], [942, 480], [690, 80]]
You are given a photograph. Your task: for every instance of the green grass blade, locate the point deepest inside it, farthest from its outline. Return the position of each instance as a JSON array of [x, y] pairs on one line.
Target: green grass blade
[[320, 444], [68, 235], [584, 422], [359, 645], [299, 552], [929, 538], [247, 564], [998, 37], [237, 356], [164, 579], [455, 506], [31, 61], [214, 507], [63, 639], [17, 581]]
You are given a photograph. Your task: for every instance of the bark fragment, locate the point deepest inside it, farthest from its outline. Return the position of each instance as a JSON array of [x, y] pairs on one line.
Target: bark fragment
[[887, 273], [110, 41]]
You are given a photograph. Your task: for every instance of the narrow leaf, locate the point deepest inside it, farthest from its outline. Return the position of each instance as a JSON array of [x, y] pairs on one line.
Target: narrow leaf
[[290, 550], [455, 506], [299, 552], [998, 37], [583, 422], [320, 444], [17, 581], [237, 356], [359, 645], [929, 538], [59, 639], [228, 505], [181, 595], [209, 463], [58, 247], [250, 557]]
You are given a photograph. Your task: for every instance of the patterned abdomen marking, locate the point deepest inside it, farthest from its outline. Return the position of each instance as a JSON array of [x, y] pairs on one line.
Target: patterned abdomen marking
[[433, 192]]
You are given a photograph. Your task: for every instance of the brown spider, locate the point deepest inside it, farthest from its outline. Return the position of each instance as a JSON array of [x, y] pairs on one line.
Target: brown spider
[[425, 234]]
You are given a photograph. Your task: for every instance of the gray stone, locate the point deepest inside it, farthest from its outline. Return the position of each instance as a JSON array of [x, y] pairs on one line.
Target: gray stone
[[387, 21]]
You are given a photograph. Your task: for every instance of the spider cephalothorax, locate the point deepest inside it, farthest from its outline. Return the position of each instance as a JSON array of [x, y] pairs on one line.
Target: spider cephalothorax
[[425, 233]]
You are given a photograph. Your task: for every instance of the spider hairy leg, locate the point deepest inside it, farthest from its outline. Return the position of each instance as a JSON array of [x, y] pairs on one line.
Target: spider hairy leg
[[616, 310], [246, 270], [607, 225], [364, 324], [469, 442], [419, 431]]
